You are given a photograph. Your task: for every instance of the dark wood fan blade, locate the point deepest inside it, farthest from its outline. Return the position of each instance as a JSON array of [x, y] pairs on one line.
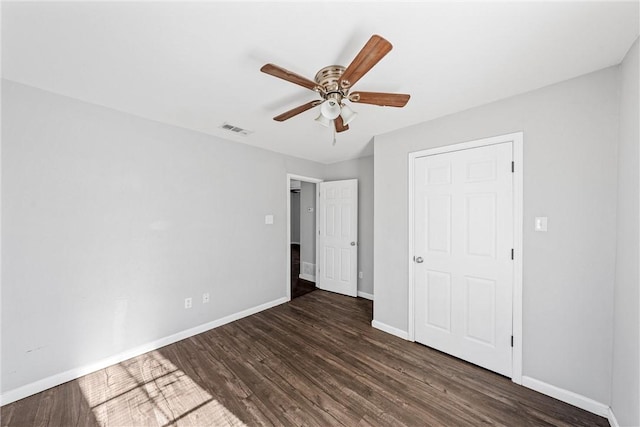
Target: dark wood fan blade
[[380, 98], [372, 52], [340, 126], [295, 111], [287, 75]]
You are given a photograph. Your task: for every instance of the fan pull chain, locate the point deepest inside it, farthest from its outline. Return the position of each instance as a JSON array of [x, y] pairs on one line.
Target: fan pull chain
[[334, 134]]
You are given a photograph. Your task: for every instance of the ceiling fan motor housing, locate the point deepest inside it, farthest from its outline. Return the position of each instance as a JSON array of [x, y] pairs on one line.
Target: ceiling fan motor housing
[[328, 78]]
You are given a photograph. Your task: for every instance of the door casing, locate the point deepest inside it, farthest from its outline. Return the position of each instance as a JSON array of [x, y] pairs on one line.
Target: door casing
[[516, 140], [288, 249]]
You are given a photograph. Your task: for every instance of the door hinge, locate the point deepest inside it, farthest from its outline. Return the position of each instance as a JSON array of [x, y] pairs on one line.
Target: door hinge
[[513, 167], [511, 340], [511, 253]]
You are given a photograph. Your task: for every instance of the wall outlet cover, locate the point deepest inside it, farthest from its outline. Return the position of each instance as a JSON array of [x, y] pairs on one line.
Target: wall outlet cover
[[540, 223]]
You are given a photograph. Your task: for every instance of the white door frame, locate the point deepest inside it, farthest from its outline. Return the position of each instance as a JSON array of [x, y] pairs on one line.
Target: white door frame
[[517, 143], [312, 180]]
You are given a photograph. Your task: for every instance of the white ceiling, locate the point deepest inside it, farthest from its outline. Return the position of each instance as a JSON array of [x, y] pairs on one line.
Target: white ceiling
[[196, 65]]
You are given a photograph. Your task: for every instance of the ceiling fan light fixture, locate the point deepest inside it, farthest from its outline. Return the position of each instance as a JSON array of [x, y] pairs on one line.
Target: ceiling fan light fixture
[[334, 82], [347, 114], [323, 120], [330, 108]]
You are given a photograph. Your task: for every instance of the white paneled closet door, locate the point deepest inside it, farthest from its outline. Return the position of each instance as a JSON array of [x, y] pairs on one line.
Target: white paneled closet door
[[463, 242]]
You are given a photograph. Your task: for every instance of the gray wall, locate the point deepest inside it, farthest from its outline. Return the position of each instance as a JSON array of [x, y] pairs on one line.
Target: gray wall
[[570, 160], [295, 217], [625, 397], [109, 221], [362, 169], [307, 223]]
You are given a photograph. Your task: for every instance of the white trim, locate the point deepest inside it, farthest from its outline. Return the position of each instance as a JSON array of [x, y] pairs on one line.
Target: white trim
[[492, 140], [287, 270], [307, 277], [567, 396], [411, 334], [365, 295], [295, 243], [303, 178], [390, 329], [613, 421], [318, 258], [517, 140], [72, 374], [518, 228]]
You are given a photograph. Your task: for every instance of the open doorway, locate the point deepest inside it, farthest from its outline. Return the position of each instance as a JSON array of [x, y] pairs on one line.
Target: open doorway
[[302, 209], [301, 235], [328, 255]]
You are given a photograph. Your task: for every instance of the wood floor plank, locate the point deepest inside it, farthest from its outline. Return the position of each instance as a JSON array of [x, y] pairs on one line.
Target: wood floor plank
[[295, 379], [364, 382], [360, 357], [315, 361], [279, 391]]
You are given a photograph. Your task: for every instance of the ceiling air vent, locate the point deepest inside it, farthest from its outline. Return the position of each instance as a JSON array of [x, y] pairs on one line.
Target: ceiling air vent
[[235, 129]]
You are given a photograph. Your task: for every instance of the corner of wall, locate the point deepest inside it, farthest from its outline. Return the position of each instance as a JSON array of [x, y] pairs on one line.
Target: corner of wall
[[625, 349]]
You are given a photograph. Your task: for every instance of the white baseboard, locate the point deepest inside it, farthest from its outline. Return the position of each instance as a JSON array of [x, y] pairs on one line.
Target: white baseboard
[[390, 329], [72, 374], [295, 243], [307, 277], [613, 422], [567, 396], [365, 295]]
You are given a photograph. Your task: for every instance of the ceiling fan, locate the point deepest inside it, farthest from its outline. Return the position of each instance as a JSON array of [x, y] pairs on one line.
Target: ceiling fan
[[334, 82]]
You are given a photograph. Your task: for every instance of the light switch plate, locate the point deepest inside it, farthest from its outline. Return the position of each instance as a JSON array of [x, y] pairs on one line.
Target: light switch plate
[[541, 223], [268, 219]]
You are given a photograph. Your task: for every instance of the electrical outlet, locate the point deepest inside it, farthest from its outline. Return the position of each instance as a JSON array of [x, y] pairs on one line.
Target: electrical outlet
[[360, 275], [188, 303], [541, 223], [205, 298]]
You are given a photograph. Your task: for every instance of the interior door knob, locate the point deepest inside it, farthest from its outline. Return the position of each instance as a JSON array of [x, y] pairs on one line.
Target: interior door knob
[[353, 243], [419, 260]]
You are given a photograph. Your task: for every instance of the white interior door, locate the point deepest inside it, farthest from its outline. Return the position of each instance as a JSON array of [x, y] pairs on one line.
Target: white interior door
[[463, 267], [338, 237]]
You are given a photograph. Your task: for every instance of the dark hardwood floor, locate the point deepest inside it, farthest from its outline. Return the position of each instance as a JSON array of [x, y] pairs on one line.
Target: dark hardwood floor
[[299, 286], [315, 361]]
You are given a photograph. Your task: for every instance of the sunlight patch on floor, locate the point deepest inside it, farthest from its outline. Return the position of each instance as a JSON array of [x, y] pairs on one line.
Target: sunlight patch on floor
[[150, 390]]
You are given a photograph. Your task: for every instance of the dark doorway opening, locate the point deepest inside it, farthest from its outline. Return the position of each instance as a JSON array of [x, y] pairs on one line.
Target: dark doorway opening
[[299, 286]]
